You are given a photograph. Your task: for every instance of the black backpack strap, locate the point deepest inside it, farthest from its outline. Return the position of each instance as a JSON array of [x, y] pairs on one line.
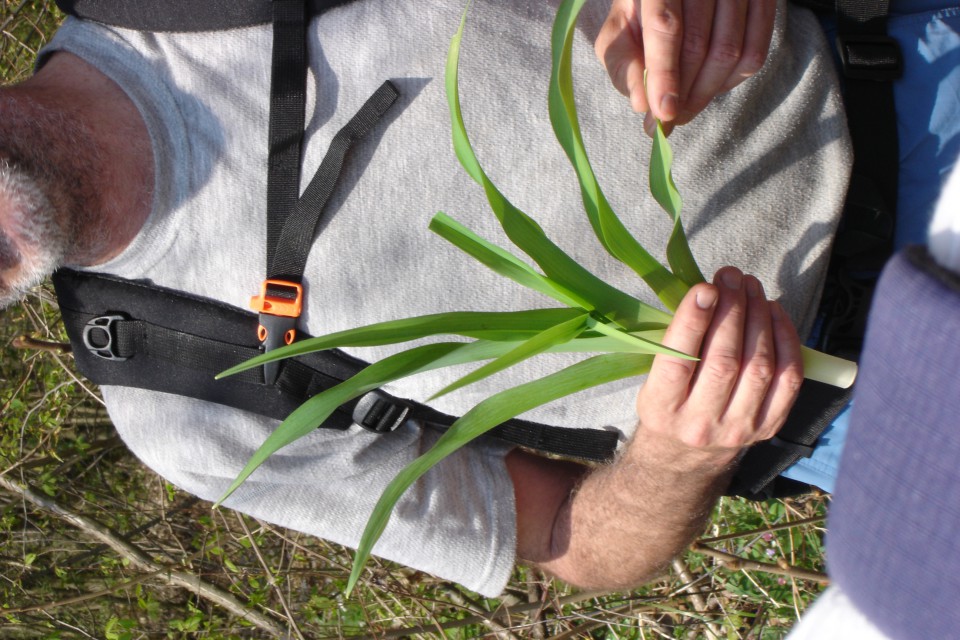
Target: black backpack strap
[[758, 474], [138, 335], [133, 334], [182, 15], [291, 219], [871, 61]]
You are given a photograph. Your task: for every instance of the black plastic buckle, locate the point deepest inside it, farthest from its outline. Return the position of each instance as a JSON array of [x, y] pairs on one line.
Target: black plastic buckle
[[380, 413], [795, 448], [278, 318], [103, 327], [870, 57], [275, 332]]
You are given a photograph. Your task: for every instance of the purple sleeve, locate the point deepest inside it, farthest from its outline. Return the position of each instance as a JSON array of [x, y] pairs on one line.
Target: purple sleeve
[[896, 510]]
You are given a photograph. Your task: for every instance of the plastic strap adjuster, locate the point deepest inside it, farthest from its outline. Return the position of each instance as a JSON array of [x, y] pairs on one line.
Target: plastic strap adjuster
[[380, 413], [870, 57], [100, 337], [278, 318]]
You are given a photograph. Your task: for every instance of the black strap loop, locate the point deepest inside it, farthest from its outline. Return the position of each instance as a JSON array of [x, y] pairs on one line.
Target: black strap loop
[[296, 238], [870, 57]]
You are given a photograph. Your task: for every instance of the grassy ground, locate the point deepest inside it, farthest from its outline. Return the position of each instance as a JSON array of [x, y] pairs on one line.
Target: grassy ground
[[93, 545]]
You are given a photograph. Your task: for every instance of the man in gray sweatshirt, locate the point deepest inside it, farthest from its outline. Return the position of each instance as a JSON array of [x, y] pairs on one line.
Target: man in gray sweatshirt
[[143, 155]]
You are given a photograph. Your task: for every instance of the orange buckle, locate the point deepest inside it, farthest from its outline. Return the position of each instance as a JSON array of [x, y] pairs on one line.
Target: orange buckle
[[275, 305]]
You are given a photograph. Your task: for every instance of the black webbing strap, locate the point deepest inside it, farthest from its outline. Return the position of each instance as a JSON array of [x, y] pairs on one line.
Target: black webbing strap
[[871, 61], [291, 219], [139, 335], [758, 474], [288, 99], [296, 237], [182, 15]]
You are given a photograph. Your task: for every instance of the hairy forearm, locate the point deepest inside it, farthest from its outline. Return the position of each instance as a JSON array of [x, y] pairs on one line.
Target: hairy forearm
[[624, 522], [617, 526]]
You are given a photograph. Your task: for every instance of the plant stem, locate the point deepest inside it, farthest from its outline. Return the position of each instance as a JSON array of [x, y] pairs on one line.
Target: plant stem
[[823, 367]]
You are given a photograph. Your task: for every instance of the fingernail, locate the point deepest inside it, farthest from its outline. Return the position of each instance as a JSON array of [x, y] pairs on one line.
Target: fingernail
[[650, 124], [732, 279], [706, 298], [668, 106], [753, 287], [776, 311]]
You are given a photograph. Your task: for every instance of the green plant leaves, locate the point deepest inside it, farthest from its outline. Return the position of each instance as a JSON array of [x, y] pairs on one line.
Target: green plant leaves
[[491, 325], [609, 229], [493, 411], [501, 261], [555, 335], [317, 409], [665, 193], [523, 231]]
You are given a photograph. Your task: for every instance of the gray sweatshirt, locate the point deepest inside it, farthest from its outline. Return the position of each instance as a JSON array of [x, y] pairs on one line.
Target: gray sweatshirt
[[763, 172]]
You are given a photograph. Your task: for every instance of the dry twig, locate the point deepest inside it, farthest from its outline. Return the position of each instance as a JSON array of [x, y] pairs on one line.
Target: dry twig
[[31, 343], [736, 563], [139, 559]]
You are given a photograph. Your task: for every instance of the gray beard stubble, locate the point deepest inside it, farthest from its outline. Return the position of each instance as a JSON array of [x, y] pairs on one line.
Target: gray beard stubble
[[47, 165]]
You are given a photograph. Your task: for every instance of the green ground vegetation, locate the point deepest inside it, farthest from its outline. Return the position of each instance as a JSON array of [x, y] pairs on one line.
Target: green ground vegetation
[[94, 545]]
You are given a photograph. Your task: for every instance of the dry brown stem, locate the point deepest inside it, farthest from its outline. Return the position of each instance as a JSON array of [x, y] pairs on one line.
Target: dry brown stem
[[736, 563], [141, 560]]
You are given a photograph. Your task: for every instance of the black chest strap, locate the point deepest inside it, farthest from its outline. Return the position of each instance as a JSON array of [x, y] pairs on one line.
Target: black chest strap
[[871, 61], [137, 335]]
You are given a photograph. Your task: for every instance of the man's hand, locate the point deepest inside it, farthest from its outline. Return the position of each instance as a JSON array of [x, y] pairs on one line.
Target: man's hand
[[692, 50], [617, 526], [748, 376]]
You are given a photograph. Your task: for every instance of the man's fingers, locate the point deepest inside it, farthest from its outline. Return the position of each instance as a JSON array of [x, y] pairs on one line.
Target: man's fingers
[[691, 51], [662, 23], [722, 349], [759, 360], [619, 46], [669, 379], [788, 377], [723, 57], [761, 15], [697, 28]]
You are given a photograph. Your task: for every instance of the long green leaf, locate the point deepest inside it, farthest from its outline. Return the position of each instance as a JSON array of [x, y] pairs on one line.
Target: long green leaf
[[488, 414], [639, 343], [609, 229], [312, 413], [590, 342], [499, 260], [524, 232], [489, 325], [665, 192], [556, 335]]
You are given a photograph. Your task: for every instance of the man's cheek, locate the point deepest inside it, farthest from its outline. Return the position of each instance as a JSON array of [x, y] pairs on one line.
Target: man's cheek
[[9, 254]]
